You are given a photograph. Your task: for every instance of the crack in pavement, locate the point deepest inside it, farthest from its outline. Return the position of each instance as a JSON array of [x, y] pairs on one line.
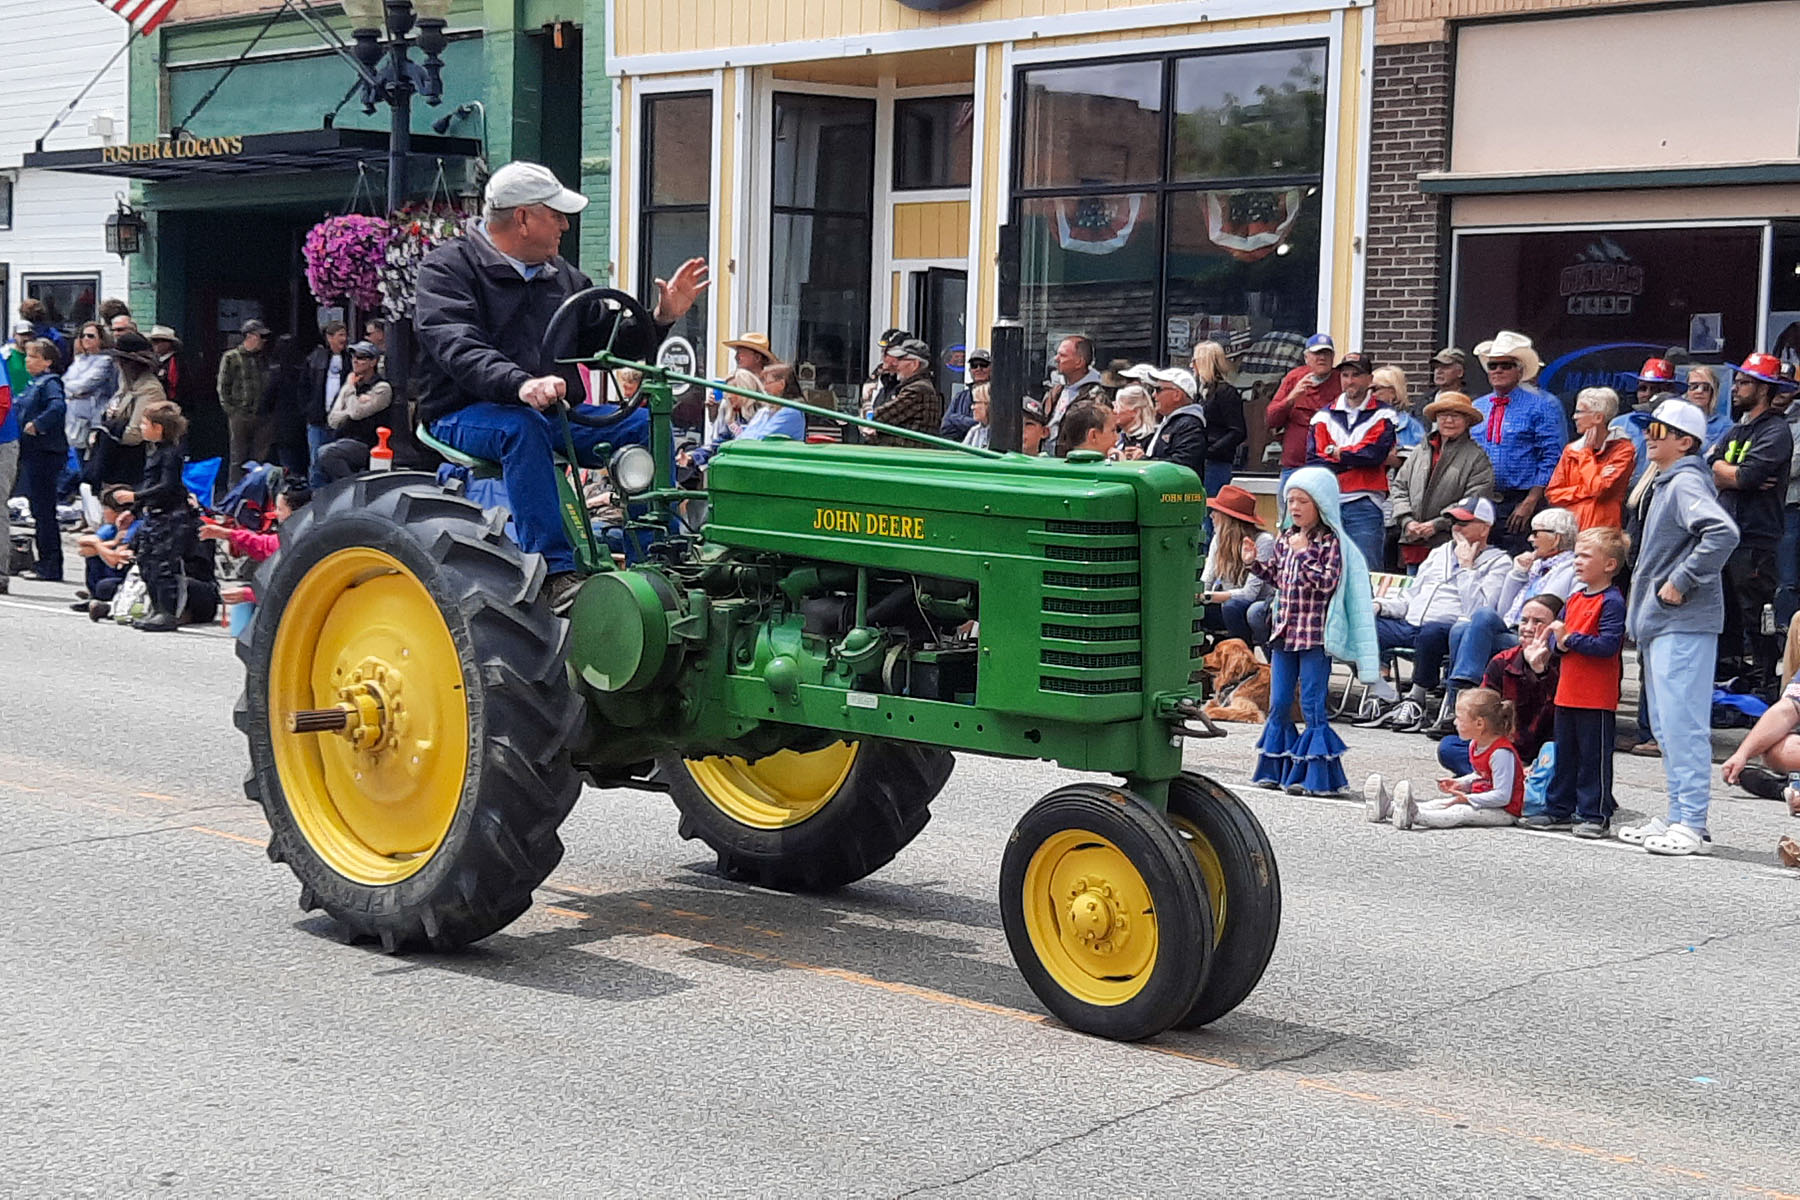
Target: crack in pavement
[[105, 837], [1028, 1155]]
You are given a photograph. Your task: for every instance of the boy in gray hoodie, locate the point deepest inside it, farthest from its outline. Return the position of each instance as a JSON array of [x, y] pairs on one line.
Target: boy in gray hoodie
[[1676, 613]]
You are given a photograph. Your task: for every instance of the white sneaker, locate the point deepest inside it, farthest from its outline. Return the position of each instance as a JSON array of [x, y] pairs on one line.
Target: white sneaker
[[1406, 809], [1634, 835], [1678, 842], [1378, 802], [1404, 716]]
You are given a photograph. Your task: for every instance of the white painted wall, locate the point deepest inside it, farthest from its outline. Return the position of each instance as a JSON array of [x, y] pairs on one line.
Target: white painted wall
[[58, 218]]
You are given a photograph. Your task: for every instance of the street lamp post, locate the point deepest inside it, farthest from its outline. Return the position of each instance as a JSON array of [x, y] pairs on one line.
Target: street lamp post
[[394, 83]]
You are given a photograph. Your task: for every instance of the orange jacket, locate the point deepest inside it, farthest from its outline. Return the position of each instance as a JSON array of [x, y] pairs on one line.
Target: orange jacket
[[1592, 485]]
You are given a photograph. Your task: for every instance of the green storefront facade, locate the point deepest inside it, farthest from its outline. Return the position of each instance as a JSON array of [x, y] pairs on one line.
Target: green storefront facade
[[225, 232]]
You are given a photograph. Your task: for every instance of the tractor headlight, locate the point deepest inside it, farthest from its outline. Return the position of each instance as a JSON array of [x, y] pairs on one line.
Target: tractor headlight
[[633, 470]]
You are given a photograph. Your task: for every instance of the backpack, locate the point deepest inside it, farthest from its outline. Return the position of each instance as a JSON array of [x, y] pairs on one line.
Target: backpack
[[1537, 780], [251, 501]]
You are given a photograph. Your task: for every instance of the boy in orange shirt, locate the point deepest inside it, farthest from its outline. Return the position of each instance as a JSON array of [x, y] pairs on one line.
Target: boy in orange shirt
[[1587, 641]]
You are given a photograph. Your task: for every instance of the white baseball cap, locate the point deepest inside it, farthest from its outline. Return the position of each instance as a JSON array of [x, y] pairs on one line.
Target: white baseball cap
[[1179, 377], [1679, 414], [1142, 372], [1472, 508], [519, 184]]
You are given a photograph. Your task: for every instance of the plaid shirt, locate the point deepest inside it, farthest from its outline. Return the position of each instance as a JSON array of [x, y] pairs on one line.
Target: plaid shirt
[[1531, 438], [1304, 583], [914, 405]]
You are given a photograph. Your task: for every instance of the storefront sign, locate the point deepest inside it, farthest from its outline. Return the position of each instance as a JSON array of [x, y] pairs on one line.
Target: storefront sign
[[677, 354], [1606, 283], [136, 152]]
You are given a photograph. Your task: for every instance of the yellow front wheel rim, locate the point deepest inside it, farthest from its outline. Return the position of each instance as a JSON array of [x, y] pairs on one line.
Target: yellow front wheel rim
[[1211, 870], [360, 631], [1090, 917], [776, 792]]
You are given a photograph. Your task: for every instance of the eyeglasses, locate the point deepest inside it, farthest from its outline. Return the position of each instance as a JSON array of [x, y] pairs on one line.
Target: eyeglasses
[[1502, 364], [1383, 387], [87, 334]]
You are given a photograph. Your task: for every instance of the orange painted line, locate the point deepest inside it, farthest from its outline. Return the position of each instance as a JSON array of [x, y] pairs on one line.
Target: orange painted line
[[566, 912], [692, 916], [1191, 1057], [259, 843], [158, 796]]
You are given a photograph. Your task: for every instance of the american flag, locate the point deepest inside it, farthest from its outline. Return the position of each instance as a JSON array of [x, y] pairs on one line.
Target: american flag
[[144, 15]]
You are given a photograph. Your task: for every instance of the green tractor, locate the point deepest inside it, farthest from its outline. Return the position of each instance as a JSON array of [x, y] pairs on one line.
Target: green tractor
[[797, 671]]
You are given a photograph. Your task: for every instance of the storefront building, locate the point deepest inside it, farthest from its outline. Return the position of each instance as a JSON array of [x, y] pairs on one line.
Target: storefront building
[[1527, 176], [1173, 171]]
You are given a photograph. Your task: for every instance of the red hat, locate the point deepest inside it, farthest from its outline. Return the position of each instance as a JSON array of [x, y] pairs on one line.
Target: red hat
[[1234, 501], [1764, 367], [1656, 370]]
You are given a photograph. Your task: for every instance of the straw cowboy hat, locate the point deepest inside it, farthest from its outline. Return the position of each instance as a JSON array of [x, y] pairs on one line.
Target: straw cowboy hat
[[1452, 402], [1234, 501], [1517, 346], [162, 333], [758, 342]]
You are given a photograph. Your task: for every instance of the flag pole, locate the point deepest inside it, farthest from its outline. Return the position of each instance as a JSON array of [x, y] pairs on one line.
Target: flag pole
[[69, 108]]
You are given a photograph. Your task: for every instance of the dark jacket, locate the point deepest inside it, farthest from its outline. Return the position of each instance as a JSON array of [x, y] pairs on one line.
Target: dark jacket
[[43, 405], [915, 405], [162, 489], [314, 403], [959, 418], [1533, 697], [1181, 438], [243, 378], [1225, 428], [1761, 450], [481, 324]]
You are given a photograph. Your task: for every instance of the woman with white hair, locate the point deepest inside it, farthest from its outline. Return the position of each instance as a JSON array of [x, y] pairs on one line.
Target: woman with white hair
[[1135, 413], [1547, 569], [1594, 472]]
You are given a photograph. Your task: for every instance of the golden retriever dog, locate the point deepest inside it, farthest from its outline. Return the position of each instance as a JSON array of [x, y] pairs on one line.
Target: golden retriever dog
[[1240, 684]]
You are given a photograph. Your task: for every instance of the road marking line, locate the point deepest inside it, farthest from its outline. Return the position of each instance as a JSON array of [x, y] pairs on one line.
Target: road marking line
[[259, 843]]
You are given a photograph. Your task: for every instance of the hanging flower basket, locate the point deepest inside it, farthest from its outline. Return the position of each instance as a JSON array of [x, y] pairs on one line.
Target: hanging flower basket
[[415, 231], [344, 258]]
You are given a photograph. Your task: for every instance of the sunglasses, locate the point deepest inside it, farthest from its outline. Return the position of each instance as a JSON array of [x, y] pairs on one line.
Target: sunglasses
[[1502, 364], [1700, 387], [1659, 431]]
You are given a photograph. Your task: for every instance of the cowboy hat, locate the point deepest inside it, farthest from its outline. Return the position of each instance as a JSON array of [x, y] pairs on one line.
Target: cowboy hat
[[1452, 402], [133, 346], [1763, 367], [759, 342], [1234, 501], [162, 333], [1516, 346]]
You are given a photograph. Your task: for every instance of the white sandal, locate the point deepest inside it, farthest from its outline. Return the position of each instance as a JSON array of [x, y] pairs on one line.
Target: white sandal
[[1678, 842], [1635, 835]]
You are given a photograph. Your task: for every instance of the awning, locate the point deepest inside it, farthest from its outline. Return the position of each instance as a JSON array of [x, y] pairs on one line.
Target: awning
[[212, 158]]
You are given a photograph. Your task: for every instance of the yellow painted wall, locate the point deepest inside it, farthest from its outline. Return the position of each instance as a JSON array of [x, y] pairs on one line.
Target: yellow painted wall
[[1427, 20], [1349, 168], [932, 230], [1204, 28]]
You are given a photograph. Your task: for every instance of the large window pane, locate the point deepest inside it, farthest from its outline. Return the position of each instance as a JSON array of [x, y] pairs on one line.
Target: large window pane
[[1250, 113], [934, 142], [1242, 261], [1093, 125], [670, 239], [1090, 266], [679, 158], [819, 296], [824, 154]]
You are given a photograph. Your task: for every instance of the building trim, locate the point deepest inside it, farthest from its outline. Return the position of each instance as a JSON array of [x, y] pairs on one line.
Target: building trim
[[1365, 147], [974, 33], [1445, 183]]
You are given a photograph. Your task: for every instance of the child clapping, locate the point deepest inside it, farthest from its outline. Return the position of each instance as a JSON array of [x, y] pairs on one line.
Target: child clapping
[[1493, 794]]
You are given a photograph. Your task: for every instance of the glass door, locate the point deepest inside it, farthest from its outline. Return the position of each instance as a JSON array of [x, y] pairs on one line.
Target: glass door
[[940, 307]]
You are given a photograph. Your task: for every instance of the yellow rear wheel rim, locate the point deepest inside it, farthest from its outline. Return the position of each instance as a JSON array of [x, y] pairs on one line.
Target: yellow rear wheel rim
[[361, 629], [777, 792], [1212, 870], [1090, 917]]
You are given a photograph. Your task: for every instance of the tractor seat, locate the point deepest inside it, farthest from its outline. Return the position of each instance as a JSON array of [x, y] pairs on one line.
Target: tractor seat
[[481, 468]]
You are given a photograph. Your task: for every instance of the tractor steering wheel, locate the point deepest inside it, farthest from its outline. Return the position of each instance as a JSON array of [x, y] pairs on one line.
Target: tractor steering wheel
[[600, 320]]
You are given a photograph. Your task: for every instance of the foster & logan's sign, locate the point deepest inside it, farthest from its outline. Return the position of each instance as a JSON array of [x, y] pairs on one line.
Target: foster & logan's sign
[[187, 147]]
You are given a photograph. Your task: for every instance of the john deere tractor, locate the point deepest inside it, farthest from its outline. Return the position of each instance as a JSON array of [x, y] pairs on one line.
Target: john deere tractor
[[795, 657]]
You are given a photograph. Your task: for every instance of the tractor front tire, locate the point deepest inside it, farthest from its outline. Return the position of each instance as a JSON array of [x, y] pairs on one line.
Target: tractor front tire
[[808, 822], [430, 819], [1242, 886]]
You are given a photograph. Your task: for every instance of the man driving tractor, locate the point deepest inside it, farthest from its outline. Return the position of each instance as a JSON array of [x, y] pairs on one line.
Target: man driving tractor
[[484, 302]]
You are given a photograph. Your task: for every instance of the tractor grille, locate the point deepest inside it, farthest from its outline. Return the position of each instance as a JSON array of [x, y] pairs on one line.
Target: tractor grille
[[1091, 572]]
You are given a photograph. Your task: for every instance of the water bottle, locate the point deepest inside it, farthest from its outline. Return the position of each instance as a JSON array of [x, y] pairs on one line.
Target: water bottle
[[1768, 619]]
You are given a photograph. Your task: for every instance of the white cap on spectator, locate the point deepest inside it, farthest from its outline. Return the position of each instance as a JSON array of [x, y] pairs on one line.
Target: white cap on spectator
[[1472, 508], [521, 184], [1142, 372], [1679, 414], [1179, 377]]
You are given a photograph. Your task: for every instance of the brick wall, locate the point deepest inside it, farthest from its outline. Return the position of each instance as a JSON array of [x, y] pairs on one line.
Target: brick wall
[[1406, 260]]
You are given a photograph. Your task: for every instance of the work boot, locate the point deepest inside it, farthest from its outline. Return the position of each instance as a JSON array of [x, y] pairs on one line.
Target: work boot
[[160, 622], [98, 611], [559, 590]]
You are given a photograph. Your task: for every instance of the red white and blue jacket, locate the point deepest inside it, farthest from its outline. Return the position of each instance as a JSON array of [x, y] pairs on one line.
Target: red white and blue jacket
[[1354, 444]]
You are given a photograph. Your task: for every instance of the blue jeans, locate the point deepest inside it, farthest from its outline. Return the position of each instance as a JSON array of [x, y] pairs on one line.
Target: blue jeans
[[1473, 641], [1247, 619], [1312, 760], [524, 442], [1582, 785], [1453, 756], [1430, 643], [1363, 522], [1787, 563], [316, 437], [38, 474], [1681, 664]]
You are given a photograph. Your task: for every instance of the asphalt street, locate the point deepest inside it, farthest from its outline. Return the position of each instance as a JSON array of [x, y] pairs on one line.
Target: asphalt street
[[1469, 1013]]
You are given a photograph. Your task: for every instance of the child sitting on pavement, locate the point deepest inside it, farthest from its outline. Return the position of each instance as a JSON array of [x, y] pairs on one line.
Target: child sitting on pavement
[[1490, 795], [108, 554], [1588, 640]]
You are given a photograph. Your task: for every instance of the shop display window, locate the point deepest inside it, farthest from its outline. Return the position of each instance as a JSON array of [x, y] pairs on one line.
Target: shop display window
[[71, 299], [1168, 200], [934, 142], [676, 206]]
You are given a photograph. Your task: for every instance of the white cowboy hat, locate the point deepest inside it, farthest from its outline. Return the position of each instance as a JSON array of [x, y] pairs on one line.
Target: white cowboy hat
[[1507, 344]]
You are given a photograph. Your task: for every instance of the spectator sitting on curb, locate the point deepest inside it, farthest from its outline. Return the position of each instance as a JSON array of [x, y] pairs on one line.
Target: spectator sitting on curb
[[1547, 569], [108, 554], [1676, 612], [1488, 795], [1435, 474], [1525, 674], [1459, 578]]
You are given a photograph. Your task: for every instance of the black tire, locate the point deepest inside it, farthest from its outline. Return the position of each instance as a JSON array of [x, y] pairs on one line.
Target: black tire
[[880, 806], [518, 784], [1248, 922], [1156, 994]]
